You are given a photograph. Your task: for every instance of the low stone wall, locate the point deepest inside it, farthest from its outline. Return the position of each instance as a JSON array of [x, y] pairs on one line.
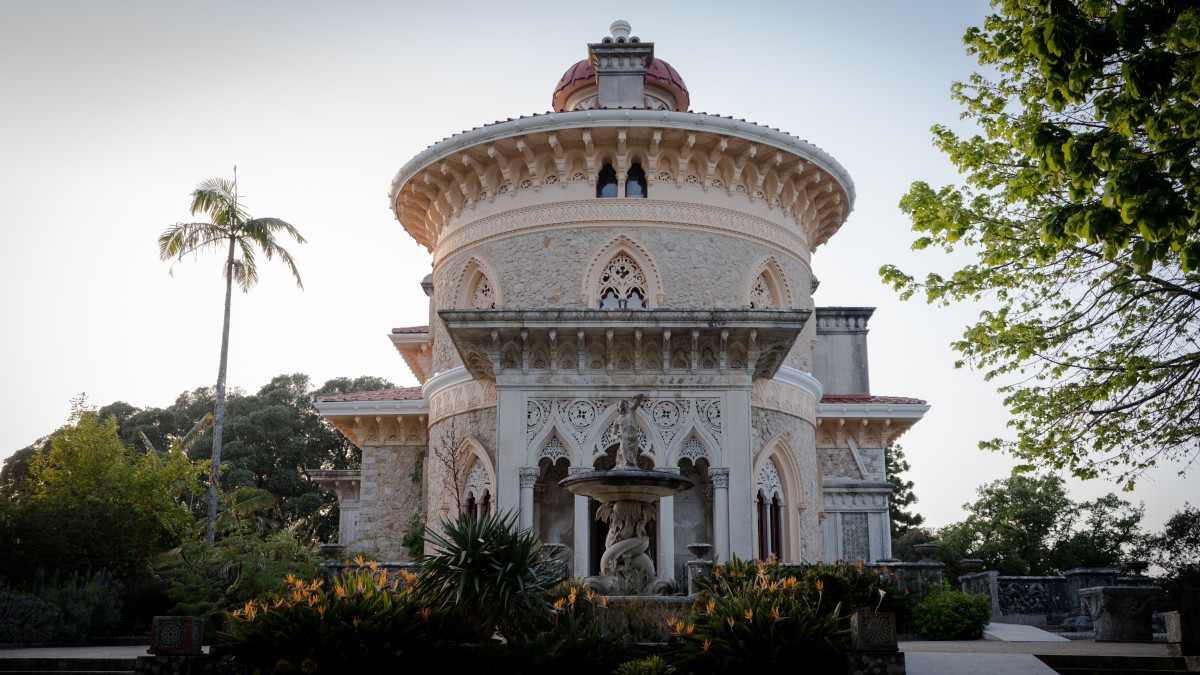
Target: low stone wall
[[1045, 600]]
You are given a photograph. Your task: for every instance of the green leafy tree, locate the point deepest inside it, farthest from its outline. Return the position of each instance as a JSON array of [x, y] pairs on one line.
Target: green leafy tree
[[90, 503], [1177, 550], [902, 498], [244, 237], [1029, 525], [1081, 209]]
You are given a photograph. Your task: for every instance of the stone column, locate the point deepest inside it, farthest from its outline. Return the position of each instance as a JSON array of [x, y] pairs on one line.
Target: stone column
[[583, 528], [1121, 613], [529, 476], [737, 451], [720, 481], [666, 530], [510, 448]]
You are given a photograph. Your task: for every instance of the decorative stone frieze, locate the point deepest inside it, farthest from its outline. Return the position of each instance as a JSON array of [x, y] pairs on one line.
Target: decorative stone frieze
[[628, 213], [459, 398]]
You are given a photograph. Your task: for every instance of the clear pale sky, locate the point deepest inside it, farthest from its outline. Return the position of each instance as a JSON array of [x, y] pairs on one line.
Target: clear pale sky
[[112, 112]]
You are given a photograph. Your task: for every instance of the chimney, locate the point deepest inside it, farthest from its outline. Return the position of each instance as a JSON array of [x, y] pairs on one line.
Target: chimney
[[620, 62]]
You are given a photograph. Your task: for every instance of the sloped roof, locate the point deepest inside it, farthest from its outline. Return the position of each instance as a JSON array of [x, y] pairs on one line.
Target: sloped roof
[[400, 394]]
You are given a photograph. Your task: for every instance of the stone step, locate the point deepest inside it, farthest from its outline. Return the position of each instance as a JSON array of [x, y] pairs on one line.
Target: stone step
[[61, 666], [1079, 664]]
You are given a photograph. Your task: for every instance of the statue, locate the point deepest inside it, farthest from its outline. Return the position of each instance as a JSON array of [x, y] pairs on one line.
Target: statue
[[627, 451]]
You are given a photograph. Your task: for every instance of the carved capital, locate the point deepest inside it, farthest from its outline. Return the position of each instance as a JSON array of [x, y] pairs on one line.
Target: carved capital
[[720, 477], [529, 476]]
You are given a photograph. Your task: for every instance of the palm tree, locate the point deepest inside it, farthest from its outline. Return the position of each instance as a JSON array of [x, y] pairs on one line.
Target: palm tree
[[233, 227]]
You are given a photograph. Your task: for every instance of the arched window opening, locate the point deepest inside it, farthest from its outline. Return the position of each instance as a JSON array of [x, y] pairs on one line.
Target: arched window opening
[[606, 185], [477, 496], [776, 528], [482, 296], [760, 294], [769, 503], [635, 181], [622, 284], [764, 527]]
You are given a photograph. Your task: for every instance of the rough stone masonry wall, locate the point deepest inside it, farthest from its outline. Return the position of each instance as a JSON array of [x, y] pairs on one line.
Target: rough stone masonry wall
[[391, 496], [479, 425], [697, 269]]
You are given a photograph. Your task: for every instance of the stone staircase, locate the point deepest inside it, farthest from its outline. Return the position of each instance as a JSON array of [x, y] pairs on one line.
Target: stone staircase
[[1077, 664], [57, 666]]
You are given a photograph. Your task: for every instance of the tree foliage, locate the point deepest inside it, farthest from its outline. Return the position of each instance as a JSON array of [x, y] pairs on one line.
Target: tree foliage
[[1081, 206], [902, 497], [1029, 525], [89, 502]]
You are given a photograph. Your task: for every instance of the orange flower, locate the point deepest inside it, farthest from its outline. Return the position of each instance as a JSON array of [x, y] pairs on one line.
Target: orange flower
[[710, 606], [604, 602], [820, 586], [729, 620], [425, 612], [373, 565], [590, 594], [356, 622], [558, 604], [358, 560], [749, 614], [690, 629], [775, 612], [321, 610], [706, 644]]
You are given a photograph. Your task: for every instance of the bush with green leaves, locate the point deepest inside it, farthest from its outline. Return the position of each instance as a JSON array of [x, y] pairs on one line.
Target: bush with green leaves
[[72, 608], [651, 665], [575, 639], [952, 615], [497, 576], [755, 614], [365, 618]]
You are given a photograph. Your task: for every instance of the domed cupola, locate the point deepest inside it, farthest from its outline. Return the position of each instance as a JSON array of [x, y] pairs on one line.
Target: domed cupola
[[621, 72]]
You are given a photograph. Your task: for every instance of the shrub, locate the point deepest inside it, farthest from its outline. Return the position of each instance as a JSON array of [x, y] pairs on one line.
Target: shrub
[[75, 608], [651, 665], [953, 615], [366, 619], [574, 640], [756, 615], [496, 576]]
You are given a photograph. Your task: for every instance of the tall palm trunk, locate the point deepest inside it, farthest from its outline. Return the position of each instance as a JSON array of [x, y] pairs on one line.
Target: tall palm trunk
[[214, 475]]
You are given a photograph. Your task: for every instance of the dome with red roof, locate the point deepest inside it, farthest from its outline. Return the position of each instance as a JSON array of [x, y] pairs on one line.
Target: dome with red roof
[[577, 89]]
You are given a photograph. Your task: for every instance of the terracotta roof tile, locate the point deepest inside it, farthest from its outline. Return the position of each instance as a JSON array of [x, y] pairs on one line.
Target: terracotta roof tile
[[867, 398], [411, 329], [401, 394]]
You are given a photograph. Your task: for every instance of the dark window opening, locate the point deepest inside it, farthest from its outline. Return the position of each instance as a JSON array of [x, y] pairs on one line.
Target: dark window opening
[[635, 181], [606, 185]]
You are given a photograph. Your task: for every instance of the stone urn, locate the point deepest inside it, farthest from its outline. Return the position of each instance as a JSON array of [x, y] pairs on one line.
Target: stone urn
[[926, 551]]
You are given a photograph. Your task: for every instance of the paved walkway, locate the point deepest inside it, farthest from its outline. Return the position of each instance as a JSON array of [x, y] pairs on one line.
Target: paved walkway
[[1009, 651]]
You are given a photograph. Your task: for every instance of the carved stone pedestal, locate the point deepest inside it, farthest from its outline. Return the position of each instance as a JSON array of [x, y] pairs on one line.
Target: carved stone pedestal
[[1121, 613]]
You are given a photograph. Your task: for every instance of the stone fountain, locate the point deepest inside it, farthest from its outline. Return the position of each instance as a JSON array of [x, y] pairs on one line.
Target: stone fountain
[[627, 497]]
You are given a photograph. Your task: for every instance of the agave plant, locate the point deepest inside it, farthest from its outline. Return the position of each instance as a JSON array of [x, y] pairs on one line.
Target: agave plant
[[497, 576]]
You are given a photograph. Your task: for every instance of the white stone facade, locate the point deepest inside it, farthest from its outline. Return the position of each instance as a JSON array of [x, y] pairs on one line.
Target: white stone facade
[[550, 302]]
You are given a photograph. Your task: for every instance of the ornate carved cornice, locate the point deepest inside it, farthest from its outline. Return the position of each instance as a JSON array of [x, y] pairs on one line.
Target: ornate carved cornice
[[750, 164], [345, 483], [633, 348]]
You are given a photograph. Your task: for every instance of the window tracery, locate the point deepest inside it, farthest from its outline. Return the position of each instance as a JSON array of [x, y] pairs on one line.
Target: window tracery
[[622, 284], [760, 294], [482, 296]]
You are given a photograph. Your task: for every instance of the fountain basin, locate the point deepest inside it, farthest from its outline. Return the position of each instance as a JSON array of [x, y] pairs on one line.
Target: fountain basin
[[626, 485]]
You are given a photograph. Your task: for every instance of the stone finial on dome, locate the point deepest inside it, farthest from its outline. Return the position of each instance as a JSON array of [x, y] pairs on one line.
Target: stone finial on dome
[[620, 29]]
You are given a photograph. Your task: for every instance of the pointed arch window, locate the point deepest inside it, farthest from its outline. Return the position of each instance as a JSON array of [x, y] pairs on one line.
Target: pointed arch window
[[760, 294], [483, 296], [635, 181], [477, 495], [769, 512], [622, 284], [606, 183]]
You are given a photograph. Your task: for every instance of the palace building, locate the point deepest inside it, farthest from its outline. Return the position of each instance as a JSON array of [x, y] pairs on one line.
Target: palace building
[[618, 246]]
